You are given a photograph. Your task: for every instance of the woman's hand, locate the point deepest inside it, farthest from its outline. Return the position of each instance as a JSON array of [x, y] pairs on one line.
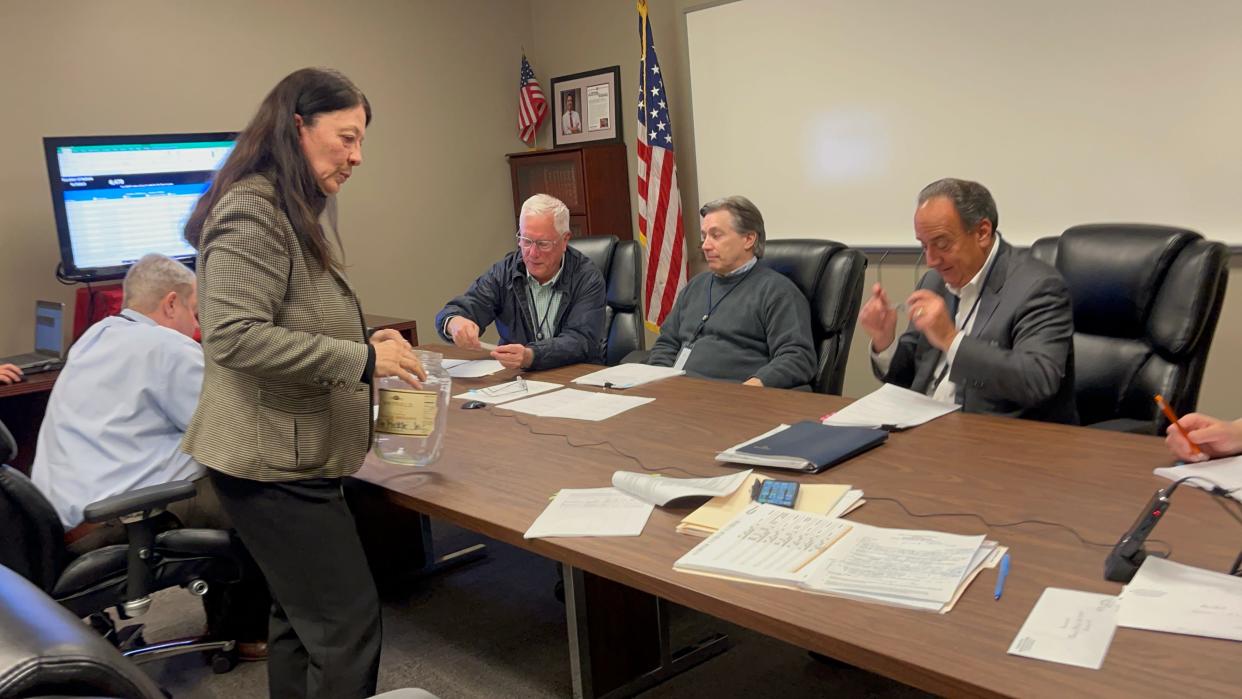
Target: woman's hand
[[395, 357]]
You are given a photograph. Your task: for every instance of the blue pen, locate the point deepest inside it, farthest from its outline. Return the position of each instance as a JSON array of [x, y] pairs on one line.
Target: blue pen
[[1000, 578]]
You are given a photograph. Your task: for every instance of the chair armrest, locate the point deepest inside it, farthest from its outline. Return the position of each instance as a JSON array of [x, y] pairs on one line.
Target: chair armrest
[[149, 498]]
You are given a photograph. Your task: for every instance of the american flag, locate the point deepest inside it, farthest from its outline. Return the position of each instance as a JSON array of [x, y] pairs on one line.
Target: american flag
[[532, 107], [659, 200]]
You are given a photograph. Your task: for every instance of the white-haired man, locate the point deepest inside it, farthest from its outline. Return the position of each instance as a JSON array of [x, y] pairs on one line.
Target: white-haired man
[[115, 420], [546, 300]]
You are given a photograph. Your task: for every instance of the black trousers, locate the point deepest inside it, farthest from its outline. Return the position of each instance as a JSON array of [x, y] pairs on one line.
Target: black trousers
[[324, 633]]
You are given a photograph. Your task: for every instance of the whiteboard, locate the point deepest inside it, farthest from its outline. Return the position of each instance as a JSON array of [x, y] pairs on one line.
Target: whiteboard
[[832, 114]]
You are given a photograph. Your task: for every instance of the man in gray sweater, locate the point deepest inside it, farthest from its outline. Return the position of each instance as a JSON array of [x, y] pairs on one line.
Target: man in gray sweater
[[739, 321]]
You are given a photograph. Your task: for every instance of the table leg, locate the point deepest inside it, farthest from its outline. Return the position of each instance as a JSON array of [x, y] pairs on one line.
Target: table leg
[[397, 540], [619, 641]]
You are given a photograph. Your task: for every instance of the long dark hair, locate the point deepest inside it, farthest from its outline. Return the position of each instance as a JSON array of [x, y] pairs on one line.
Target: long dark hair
[[270, 146]]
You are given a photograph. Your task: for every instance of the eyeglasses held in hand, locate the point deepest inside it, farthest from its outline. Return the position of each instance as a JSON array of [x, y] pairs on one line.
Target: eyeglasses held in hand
[[543, 245], [517, 385], [879, 275]]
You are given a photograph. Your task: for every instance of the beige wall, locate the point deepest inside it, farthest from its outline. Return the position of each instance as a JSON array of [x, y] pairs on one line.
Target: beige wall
[[427, 211], [572, 36]]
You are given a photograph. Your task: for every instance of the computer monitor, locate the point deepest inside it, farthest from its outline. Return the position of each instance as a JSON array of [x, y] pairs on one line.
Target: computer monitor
[[117, 198]]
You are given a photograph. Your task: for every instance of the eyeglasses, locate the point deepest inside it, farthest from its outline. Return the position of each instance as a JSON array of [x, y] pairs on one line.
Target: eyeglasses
[[517, 385], [543, 245], [879, 275]]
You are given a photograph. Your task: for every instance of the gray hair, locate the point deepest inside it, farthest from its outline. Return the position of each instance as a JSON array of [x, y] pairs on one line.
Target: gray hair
[[746, 217], [541, 204], [150, 280], [972, 200]]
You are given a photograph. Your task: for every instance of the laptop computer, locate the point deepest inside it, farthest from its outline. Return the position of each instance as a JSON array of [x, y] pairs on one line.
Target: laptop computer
[[49, 345]]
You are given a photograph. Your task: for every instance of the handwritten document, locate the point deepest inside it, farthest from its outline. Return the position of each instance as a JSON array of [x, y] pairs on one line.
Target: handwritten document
[[922, 566], [765, 542]]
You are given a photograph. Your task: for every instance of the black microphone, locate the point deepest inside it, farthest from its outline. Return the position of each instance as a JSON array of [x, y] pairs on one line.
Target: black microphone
[[1129, 553]]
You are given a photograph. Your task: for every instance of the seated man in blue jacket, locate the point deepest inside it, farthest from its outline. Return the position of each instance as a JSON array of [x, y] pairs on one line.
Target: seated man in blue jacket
[[547, 300]]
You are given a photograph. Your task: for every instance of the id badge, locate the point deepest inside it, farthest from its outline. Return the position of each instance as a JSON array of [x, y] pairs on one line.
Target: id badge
[[682, 357]]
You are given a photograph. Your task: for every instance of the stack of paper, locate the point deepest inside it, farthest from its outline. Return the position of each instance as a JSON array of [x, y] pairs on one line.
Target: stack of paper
[[1177, 598], [659, 490], [913, 569], [902, 567], [766, 544], [591, 512], [1227, 473], [890, 407], [815, 498], [580, 405], [627, 375]]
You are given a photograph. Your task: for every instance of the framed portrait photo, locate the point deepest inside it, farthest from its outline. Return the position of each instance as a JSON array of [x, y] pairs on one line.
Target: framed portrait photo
[[586, 107]]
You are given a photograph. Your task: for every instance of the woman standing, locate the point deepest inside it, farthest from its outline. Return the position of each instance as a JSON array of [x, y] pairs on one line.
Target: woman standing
[[285, 409]]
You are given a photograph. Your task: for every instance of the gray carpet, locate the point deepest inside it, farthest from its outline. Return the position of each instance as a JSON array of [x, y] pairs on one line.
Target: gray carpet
[[494, 629]]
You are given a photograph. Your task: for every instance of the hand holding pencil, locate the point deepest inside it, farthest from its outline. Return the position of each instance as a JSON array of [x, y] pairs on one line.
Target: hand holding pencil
[[1214, 437]]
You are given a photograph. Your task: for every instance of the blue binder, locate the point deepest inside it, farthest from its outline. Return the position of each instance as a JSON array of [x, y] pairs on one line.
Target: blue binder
[[821, 445]]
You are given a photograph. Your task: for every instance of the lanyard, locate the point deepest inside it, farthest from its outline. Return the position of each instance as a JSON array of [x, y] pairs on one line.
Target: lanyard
[[541, 320], [711, 307], [944, 371]]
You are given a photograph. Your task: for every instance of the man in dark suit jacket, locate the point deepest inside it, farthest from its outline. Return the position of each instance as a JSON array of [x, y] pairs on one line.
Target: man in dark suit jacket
[[991, 327]]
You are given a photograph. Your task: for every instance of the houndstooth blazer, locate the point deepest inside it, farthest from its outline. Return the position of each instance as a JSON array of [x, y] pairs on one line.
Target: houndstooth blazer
[[284, 341]]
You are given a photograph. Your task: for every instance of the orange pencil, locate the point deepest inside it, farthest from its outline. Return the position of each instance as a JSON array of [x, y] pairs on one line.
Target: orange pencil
[[1168, 412]]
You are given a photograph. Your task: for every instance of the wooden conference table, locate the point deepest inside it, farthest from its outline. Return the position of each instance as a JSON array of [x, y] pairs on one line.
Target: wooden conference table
[[495, 477]]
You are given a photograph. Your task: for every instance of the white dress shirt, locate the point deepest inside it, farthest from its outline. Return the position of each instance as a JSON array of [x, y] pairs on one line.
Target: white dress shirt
[[117, 413], [968, 300]]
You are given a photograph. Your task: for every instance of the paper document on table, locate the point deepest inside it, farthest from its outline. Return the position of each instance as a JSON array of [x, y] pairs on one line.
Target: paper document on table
[[765, 543], [474, 368], [659, 490], [817, 498], [1068, 627], [627, 375], [579, 405], [1227, 473], [508, 391], [898, 565], [591, 512], [487, 346], [1177, 598], [890, 406], [847, 503]]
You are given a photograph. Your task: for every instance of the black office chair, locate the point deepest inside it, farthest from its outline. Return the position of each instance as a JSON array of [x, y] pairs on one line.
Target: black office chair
[[620, 263], [1146, 300], [830, 275], [46, 651], [122, 576]]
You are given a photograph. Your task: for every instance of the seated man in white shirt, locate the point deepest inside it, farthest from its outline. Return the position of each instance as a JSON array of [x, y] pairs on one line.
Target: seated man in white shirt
[[121, 405], [991, 327]]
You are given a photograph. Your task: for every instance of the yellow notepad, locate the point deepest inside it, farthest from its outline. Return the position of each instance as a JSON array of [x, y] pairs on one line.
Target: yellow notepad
[[715, 513]]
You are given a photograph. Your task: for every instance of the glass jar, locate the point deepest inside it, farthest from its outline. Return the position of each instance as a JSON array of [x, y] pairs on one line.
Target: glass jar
[[410, 422]]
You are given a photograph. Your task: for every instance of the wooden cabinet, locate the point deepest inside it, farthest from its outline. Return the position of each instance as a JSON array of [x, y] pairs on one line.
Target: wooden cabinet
[[593, 181]]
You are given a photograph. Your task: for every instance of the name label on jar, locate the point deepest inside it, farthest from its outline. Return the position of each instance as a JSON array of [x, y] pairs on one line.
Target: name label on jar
[[406, 412]]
